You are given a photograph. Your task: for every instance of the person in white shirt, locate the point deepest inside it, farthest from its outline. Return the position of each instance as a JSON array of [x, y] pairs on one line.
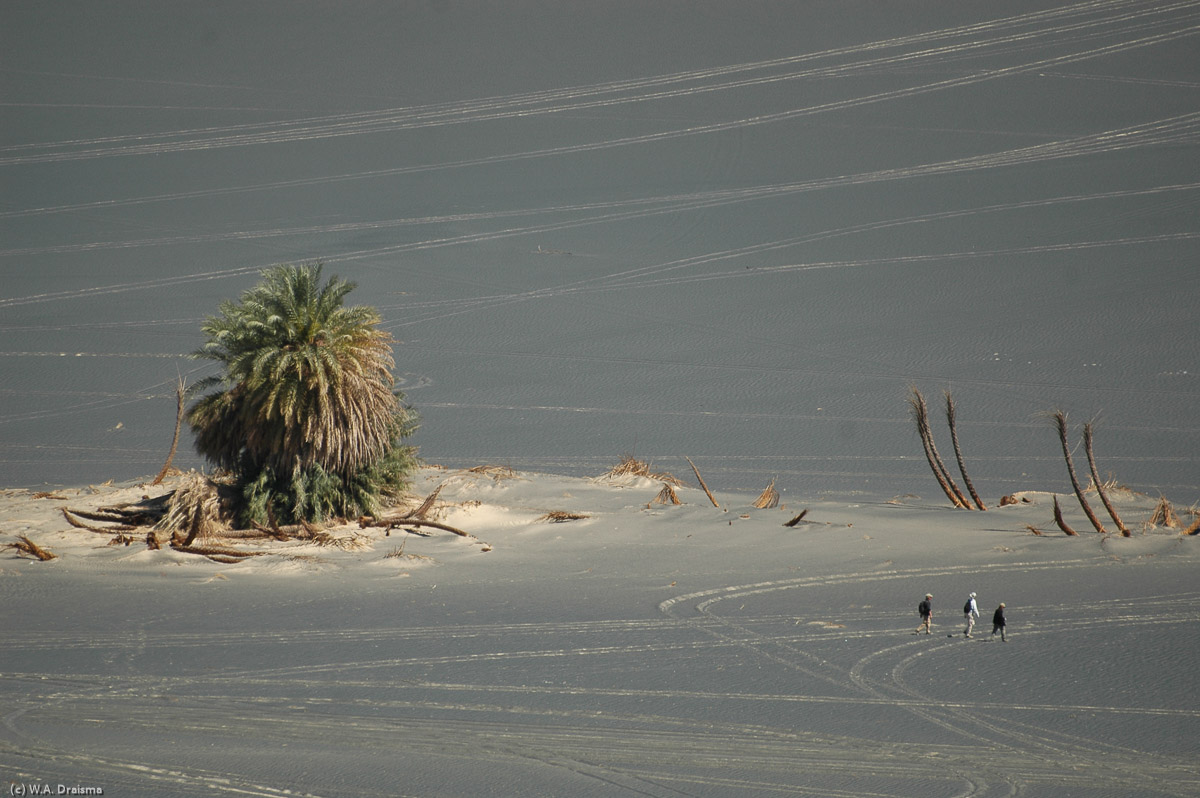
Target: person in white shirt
[[970, 613]]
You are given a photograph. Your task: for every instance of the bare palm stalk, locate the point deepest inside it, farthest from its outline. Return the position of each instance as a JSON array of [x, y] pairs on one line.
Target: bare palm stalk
[[921, 416], [700, 479], [951, 417], [180, 393], [768, 498], [1060, 421], [1058, 519], [1087, 445]]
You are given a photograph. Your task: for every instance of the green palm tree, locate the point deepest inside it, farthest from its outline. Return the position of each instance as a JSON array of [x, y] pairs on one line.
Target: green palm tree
[[305, 414]]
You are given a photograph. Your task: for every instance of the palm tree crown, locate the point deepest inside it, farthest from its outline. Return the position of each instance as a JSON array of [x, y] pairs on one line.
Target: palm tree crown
[[307, 382]]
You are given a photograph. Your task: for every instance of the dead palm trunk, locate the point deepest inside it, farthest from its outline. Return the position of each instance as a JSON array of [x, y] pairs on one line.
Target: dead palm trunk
[[921, 416], [180, 391], [1058, 519], [1060, 421], [1087, 445], [950, 419]]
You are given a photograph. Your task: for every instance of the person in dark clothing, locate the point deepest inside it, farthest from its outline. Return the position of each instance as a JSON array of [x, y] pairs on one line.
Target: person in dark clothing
[[925, 608], [998, 623]]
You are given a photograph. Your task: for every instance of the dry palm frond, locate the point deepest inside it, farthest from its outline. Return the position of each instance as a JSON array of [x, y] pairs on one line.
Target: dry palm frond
[[195, 511], [666, 496], [798, 518], [1097, 483], [1194, 528], [558, 516], [45, 494], [24, 545], [1164, 514], [496, 472], [1033, 529], [630, 466], [768, 498], [1060, 422], [1058, 519], [426, 506], [700, 479]]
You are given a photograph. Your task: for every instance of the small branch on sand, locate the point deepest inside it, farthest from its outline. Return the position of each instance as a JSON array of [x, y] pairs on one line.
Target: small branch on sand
[[24, 545], [700, 479], [768, 498], [1058, 519], [1194, 529], [559, 516], [798, 518]]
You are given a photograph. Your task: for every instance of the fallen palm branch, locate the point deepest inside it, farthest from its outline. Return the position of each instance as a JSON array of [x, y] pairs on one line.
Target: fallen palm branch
[[24, 545], [920, 413], [1100, 490], [180, 394], [72, 517], [559, 516], [700, 479], [1194, 529], [45, 494], [1060, 422], [630, 466], [496, 472], [1058, 519], [402, 521], [951, 419], [667, 495], [768, 499], [798, 518], [221, 554]]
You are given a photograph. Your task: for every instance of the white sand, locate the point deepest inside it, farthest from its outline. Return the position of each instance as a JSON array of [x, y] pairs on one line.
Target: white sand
[[663, 650]]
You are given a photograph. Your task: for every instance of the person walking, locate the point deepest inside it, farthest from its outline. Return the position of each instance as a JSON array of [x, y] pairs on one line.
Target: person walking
[[970, 613], [999, 623], [925, 608]]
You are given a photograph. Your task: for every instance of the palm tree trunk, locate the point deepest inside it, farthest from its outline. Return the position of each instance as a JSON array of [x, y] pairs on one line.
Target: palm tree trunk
[[1058, 519], [921, 416], [1060, 421], [1087, 445], [180, 391], [950, 420]]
